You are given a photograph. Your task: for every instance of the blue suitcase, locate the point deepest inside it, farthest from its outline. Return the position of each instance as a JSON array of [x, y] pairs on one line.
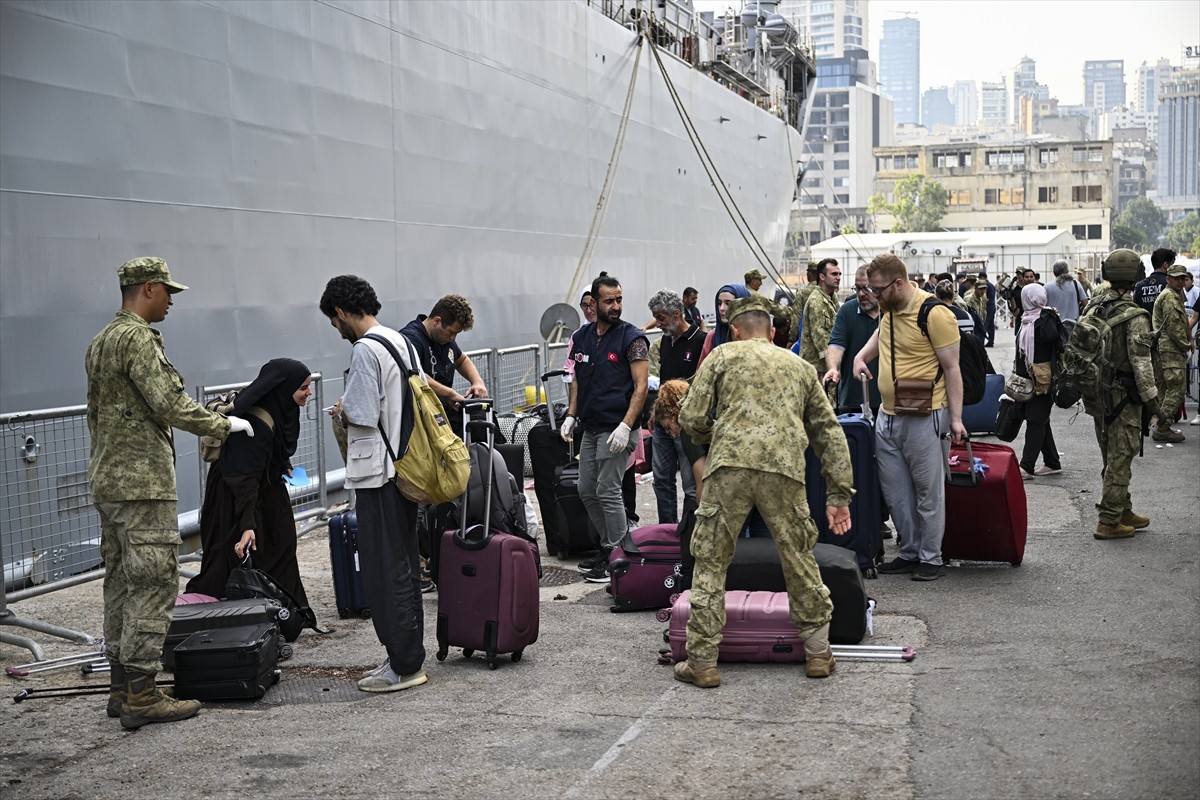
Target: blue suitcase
[[866, 507], [348, 587], [981, 417]]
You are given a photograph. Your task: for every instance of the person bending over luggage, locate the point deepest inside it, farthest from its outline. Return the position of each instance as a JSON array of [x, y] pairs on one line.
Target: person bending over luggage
[[1037, 352], [769, 406], [246, 505]]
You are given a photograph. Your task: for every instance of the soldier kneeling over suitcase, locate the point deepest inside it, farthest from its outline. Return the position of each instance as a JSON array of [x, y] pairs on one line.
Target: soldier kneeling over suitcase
[[769, 405]]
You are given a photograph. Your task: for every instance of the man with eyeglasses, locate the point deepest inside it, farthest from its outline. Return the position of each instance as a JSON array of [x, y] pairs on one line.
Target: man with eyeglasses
[[855, 323], [911, 450]]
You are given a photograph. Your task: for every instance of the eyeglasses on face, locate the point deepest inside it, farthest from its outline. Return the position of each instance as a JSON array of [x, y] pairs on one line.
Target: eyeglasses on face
[[879, 290], [861, 289]]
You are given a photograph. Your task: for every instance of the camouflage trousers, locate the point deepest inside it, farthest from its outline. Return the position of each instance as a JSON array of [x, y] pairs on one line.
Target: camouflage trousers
[[729, 494], [1119, 443], [140, 545], [1171, 379]]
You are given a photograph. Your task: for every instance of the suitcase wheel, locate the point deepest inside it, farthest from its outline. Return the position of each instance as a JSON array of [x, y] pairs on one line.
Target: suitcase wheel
[[285, 652], [516, 656], [669, 582], [275, 676], [663, 615], [366, 613], [468, 652], [1015, 563], [493, 663], [343, 613], [666, 631], [441, 654]]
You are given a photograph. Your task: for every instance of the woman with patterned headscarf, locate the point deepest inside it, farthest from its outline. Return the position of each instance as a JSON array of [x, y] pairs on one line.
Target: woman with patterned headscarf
[[246, 504]]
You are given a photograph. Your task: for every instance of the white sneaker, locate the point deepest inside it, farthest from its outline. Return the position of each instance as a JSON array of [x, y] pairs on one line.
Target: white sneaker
[[384, 679], [1195, 420]]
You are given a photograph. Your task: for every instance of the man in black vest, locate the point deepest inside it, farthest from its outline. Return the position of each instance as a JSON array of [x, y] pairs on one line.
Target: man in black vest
[[1148, 288], [433, 337], [679, 354], [611, 367]]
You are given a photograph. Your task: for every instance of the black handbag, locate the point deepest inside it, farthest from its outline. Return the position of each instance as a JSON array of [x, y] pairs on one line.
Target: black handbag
[[1009, 419], [246, 583]]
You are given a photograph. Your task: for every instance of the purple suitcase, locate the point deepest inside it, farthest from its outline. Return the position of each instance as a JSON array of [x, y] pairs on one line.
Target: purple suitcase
[[646, 576], [487, 586], [757, 628]]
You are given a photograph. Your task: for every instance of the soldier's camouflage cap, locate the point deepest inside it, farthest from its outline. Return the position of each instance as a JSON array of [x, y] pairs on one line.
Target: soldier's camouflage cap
[[147, 270], [752, 275], [751, 303], [1176, 271]]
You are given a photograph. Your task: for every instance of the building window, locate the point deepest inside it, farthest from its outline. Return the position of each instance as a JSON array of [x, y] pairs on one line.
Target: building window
[[1047, 194], [844, 164], [958, 197], [1018, 196], [991, 197], [1087, 194], [841, 183], [811, 183], [841, 147], [1047, 227], [1080, 155], [1086, 231], [841, 199], [1048, 155], [1005, 158]]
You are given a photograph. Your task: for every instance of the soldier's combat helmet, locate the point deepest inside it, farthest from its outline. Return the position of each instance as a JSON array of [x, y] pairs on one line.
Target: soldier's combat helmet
[[1122, 266]]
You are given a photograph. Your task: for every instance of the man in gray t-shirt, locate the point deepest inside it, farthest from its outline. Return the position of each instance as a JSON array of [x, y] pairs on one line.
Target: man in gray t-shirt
[[1065, 293]]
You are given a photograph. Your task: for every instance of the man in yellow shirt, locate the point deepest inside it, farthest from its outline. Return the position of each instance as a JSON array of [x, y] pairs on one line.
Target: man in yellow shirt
[[911, 448]]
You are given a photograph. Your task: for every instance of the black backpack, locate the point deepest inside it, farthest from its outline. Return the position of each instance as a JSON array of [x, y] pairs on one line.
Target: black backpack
[[973, 361]]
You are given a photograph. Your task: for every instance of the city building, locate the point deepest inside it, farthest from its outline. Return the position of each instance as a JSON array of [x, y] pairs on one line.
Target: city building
[[835, 25], [847, 119], [966, 103], [1179, 143], [1145, 88], [1117, 118], [1025, 86], [1018, 185], [900, 67], [937, 107], [993, 103], [1134, 165], [1104, 84]]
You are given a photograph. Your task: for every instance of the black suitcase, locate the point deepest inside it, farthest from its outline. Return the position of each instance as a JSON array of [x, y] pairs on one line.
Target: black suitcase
[[755, 568], [348, 589], [547, 454], [189, 619], [865, 536], [576, 533], [227, 663]]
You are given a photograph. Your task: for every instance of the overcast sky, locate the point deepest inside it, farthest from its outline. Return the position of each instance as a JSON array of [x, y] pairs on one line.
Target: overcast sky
[[984, 39]]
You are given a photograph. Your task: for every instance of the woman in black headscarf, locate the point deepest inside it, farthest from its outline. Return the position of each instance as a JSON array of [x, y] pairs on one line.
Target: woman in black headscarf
[[246, 504]]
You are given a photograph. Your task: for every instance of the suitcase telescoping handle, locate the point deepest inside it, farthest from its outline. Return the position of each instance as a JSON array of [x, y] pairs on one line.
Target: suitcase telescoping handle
[[546, 376], [970, 478], [488, 430], [866, 403]]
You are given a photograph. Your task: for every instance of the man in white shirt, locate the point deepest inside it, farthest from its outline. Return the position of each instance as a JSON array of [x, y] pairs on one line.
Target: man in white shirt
[[387, 520]]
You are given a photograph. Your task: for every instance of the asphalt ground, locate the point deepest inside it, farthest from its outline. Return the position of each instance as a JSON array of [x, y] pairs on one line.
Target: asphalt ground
[[1075, 675]]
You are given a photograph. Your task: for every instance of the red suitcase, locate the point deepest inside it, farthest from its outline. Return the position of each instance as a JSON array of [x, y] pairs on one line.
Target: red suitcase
[[757, 628], [646, 576], [487, 586], [986, 516]]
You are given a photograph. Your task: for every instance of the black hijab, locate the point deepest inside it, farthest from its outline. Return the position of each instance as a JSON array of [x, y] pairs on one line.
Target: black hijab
[[272, 391]]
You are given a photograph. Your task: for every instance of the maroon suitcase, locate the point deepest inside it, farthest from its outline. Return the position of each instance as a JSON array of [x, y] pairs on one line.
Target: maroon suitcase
[[986, 515], [487, 586], [646, 576], [757, 628]]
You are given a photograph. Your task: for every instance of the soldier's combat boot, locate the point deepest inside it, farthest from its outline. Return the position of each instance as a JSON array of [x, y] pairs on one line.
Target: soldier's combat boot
[[818, 655], [116, 688], [1135, 521], [698, 673], [1167, 434], [1113, 530], [144, 704]]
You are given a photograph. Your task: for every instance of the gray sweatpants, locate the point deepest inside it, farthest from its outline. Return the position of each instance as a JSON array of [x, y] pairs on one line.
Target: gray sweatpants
[[911, 455], [600, 474]]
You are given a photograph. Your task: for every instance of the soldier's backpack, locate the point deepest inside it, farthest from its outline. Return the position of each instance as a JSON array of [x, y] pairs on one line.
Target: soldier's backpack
[[210, 446], [1085, 369], [973, 361]]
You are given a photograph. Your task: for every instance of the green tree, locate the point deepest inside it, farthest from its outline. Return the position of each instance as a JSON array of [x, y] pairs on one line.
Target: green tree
[[920, 205], [1126, 236], [1183, 233], [1143, 215], [848, 228]]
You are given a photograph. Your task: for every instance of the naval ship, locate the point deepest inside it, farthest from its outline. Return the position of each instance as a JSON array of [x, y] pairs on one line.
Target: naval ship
[[504, 150]]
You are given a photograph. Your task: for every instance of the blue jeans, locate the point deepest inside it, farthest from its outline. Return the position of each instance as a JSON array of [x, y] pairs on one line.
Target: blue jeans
[[667, 458], [911, 456], [600, 474]]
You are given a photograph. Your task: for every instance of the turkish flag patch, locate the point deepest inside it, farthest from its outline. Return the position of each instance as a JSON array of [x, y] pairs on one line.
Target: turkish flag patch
[[613, 357]]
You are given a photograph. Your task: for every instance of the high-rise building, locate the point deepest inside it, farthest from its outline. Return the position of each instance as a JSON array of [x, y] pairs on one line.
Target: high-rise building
[[993, 103], [1179, 143], [1104, 84], [900, 67], [1149, 78], [835, 25], [937, 108], [1025, 85], [966, 103], [848, 117]]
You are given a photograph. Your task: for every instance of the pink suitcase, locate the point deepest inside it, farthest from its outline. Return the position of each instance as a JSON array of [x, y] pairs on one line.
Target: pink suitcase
[[757, 628], [646, 576], [986, 514], [487, 585], [193, 598]]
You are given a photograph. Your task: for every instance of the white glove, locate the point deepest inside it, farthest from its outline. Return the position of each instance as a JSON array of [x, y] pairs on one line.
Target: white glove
[[568, 425], [618, 439], [239, 425]]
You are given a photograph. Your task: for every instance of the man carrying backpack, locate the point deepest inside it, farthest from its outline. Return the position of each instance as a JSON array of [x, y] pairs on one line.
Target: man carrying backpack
[[1120, 402]]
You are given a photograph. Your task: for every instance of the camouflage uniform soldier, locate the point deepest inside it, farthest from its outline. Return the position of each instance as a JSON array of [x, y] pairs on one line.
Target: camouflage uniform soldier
[[1174, 345], [819, 313], [1120, 440], [757, 460], [135, 397], [796, 309]]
